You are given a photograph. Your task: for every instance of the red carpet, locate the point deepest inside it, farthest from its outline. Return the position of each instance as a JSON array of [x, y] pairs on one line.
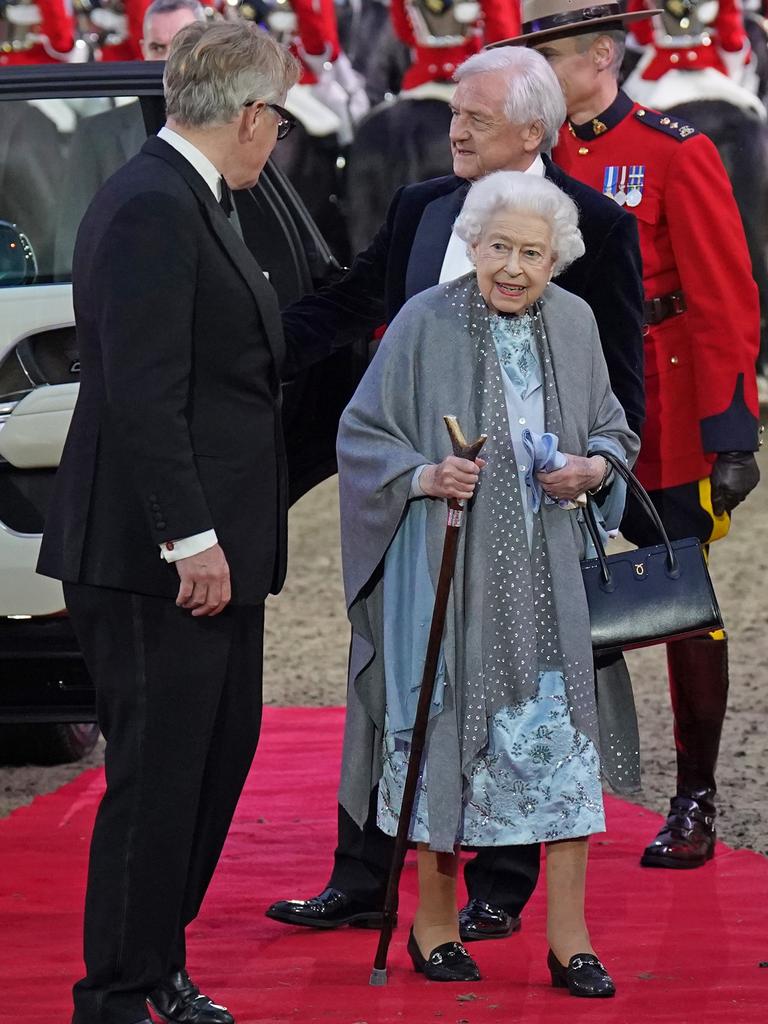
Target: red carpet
[[684, 947]]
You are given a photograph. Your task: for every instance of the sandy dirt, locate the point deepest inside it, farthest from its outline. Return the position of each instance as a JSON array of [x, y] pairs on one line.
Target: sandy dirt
[[306, 651]]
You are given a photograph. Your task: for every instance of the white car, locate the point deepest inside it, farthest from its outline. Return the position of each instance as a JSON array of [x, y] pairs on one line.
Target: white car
[[63, 131]]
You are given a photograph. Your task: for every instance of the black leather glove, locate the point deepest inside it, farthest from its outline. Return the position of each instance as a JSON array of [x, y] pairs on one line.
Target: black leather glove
[[734, 475]]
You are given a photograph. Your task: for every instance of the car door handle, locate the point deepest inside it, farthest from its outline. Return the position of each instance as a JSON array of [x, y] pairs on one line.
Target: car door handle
[[33, 436]]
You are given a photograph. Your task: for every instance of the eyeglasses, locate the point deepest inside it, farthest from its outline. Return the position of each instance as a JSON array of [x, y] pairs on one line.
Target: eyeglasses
[[285, 122]]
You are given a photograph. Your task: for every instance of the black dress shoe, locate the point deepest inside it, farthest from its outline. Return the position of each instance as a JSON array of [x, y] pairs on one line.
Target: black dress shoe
[[179, 1000], [331, 909], [584, 976], [688, 837], [478, 920], [449, 962]]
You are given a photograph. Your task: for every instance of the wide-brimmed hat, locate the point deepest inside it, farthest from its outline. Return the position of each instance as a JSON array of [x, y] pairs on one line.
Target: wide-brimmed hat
[[545, 19]]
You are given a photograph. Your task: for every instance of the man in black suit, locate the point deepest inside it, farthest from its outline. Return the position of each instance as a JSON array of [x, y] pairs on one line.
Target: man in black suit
[[168, 524], [508, 107]]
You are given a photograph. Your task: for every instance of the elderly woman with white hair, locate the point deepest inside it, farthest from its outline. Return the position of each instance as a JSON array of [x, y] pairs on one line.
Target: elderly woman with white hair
[[512, 744]]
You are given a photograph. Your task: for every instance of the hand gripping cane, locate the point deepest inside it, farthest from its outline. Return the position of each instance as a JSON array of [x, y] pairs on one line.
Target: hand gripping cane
[[463, 450]]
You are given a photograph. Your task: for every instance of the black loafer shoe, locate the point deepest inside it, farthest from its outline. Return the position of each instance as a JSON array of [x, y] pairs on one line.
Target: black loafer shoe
[[478, 920], [331, 909], [584, 976], [180, 1001], [449, 962], [688, 837]]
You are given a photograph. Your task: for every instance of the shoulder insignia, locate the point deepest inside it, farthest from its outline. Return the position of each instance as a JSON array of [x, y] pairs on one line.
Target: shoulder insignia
[[671, 126]]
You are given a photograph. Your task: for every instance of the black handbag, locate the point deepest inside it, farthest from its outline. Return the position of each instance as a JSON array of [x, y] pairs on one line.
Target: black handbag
[[649, 595]]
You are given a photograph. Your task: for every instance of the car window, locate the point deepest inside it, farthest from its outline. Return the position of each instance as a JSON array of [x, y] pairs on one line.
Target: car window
[[54, 155], [101, 142]]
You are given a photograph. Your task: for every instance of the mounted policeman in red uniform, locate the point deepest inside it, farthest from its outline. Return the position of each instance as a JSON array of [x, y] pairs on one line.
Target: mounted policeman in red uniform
[[43, 32], [695, 50], [442, 34], [702, 341]]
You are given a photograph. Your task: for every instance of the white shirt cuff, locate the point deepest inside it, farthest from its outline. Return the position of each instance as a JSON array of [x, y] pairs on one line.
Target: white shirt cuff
[[188, 546], [416, 491]]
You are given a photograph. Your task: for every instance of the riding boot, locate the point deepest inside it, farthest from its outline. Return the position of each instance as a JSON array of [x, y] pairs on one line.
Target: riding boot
[[698, 681]]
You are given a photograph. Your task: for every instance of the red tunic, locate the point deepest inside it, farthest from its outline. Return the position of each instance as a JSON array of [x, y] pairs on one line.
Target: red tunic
[[703, 51], [57, 24], [318, 33], [701, 393], [499, 19], [129, 47]]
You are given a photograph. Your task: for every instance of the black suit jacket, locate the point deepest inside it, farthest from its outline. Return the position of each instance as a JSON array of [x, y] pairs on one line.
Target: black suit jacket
[[407, 253], [177, 424]]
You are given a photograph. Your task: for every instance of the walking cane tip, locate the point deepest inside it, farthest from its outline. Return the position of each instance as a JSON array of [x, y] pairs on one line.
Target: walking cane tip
[[378, 976]]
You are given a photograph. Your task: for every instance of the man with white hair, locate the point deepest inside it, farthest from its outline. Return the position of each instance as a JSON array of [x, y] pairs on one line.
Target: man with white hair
[[507, 111], [167, 530]]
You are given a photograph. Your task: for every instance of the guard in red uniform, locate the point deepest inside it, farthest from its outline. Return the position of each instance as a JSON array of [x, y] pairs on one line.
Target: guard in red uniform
[[695, 50], [687, 37], [126, 43], [701, 345], [443, 33], [52, 40], [311, 29]]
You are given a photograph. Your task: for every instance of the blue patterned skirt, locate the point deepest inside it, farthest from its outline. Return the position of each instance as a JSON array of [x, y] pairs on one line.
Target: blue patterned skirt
[[537, 780]]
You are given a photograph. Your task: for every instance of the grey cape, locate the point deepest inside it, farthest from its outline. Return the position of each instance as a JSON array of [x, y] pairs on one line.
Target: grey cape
[[437, 358]]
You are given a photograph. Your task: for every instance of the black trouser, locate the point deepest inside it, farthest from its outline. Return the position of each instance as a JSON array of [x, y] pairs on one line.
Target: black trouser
[[179, 702], [698, 667], [504, 876]]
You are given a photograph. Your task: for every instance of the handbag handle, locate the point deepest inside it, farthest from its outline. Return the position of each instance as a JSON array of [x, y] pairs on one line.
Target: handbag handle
[[648, 507]]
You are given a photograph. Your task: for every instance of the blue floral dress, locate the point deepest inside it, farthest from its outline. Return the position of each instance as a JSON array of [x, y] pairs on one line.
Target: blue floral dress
[[538, 779]]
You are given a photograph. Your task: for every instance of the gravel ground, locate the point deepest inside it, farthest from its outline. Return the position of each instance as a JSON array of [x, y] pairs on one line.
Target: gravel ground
[[306, 650]]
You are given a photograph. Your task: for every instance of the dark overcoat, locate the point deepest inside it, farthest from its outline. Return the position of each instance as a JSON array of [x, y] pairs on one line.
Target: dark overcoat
[[407, 254]]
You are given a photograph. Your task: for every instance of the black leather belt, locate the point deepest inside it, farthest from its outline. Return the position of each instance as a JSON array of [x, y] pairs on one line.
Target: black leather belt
[[663, 307]]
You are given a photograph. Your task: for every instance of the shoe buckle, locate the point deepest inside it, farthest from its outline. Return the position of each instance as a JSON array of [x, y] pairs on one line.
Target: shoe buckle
[[577, 963]]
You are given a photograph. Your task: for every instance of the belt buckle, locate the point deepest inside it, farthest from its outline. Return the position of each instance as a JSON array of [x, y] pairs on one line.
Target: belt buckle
[[677, 300], [657, 304]]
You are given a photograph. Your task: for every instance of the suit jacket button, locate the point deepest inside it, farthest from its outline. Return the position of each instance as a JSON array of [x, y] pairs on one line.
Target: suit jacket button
[[160, 524], [155, 507], [153, 497]]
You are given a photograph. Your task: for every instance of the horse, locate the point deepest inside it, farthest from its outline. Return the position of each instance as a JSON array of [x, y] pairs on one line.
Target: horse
[[397, 143]]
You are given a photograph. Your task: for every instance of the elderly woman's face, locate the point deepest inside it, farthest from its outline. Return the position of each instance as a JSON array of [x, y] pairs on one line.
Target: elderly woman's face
[[514, 260]]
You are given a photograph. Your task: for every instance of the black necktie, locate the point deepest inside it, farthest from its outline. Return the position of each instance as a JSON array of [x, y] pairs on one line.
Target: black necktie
[[226, 198]]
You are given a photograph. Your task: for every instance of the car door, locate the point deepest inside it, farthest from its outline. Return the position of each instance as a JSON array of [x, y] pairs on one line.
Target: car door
[[63, 130]]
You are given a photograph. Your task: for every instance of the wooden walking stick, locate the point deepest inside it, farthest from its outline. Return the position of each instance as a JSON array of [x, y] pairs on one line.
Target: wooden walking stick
[[463, 450]]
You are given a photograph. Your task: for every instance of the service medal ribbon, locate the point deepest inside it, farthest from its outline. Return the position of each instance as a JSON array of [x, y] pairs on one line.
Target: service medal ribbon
[[636, 184], [610, 181]]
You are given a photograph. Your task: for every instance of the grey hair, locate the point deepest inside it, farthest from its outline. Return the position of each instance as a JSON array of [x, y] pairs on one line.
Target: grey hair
[[533, 91], [524, 193], [169, 6], [618, 37], [213, 71]]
